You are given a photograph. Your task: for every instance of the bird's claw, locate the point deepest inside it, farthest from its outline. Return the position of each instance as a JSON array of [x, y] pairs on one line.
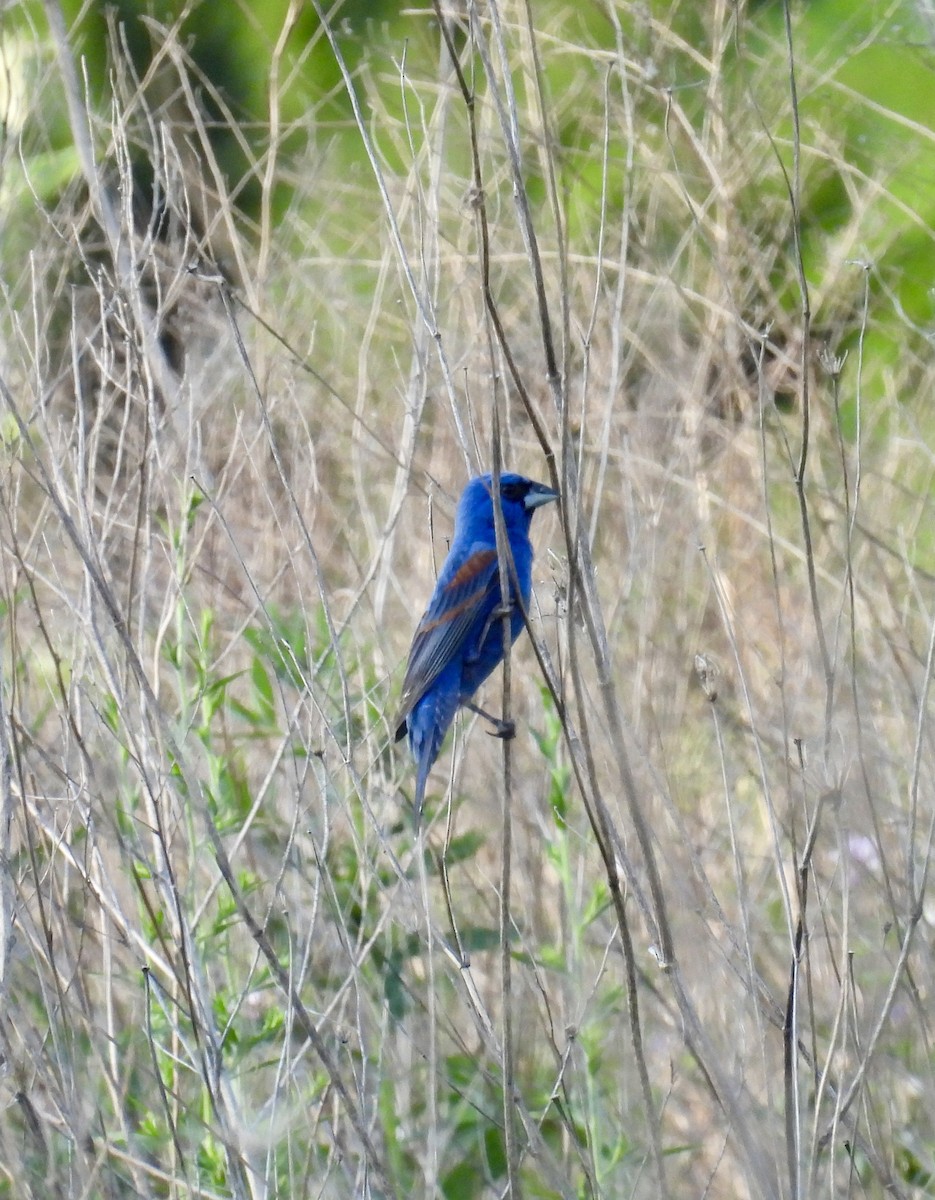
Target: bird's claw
[[503, 729]]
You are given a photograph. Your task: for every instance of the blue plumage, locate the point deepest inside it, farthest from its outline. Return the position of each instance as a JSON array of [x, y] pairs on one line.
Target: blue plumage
[[459, 640]]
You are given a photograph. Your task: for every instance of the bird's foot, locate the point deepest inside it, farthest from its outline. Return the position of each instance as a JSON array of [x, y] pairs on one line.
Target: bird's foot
[[501, 728]]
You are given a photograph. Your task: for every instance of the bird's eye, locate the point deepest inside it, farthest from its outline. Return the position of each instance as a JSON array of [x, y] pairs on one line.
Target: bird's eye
[[511, 491]]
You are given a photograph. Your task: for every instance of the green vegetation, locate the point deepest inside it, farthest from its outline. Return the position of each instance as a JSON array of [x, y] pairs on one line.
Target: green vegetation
[[271, 289]]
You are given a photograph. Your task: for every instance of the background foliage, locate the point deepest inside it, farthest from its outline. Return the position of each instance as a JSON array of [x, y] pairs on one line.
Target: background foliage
[[274, 283]]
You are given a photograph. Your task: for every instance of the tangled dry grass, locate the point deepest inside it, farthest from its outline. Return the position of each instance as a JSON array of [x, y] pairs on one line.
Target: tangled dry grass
[[677, 938]]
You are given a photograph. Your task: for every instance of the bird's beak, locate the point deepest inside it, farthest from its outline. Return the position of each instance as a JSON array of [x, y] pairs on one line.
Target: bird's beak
[[538, 495]]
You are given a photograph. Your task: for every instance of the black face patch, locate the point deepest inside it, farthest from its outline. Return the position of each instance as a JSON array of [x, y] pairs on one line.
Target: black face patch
[[513, 491]]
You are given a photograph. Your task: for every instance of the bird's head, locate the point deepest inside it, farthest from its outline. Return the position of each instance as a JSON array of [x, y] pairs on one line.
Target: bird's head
[[519, 499]]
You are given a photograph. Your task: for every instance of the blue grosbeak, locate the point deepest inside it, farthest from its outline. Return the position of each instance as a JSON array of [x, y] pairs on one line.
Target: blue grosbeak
[[459, 640]]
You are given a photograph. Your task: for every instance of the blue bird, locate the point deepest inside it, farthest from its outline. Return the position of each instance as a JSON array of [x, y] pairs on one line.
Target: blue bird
[[459, 640]]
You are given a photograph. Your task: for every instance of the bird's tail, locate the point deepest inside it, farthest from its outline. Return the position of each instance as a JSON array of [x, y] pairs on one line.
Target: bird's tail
[[427, 725], [422, 777]]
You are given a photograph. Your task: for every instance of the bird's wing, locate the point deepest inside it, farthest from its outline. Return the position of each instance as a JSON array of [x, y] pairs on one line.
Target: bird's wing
[[459, 599]]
